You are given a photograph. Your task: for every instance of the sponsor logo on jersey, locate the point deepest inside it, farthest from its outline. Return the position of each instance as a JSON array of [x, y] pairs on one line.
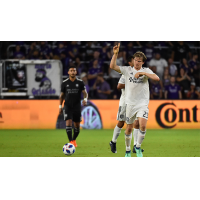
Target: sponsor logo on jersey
[[135, 80]]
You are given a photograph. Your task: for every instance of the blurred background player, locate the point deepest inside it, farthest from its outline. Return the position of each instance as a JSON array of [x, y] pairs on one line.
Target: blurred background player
[[71, 90], [136, 96]]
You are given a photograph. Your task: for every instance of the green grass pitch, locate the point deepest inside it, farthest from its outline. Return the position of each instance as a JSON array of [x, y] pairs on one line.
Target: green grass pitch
[[95, 143]]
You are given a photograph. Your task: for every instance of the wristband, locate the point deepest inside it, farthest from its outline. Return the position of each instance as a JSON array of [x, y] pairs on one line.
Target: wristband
[[85, 99], [60, 106]]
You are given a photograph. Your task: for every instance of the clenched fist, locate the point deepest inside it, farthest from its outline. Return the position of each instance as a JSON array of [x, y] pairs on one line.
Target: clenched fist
[[116, 49]]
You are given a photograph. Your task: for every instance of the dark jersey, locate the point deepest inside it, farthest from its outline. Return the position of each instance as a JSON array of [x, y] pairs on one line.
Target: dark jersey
[[72, 92]]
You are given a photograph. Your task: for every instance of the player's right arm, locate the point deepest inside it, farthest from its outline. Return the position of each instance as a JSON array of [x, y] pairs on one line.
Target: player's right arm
[[113, 64], [62, 97]]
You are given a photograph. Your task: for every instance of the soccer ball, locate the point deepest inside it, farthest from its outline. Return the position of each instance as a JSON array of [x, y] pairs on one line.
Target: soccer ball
[[68, 149]]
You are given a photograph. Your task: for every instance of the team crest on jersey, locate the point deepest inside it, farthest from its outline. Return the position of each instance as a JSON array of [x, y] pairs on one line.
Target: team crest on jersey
[[76, 85], [131, 73], [67, 85], [127, 119]]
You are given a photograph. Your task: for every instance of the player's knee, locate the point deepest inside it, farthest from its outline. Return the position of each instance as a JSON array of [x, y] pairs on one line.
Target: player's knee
[[136, 124], [120, 124], [69, 122], [142, 127], [129, 130], [76, 124]]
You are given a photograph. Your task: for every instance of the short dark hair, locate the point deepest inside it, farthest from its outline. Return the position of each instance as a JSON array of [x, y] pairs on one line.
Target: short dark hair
[[71, 66], [130, 59], [140, 54]]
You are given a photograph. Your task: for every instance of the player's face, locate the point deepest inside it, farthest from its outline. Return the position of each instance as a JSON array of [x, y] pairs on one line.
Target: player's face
[[72, 72], [138, 62]]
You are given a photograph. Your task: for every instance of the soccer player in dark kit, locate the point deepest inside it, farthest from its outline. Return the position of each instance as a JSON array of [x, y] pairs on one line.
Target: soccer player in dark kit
[[71, 89]]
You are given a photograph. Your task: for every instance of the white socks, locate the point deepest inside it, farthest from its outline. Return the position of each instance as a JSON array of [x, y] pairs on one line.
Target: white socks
[[135, 135], [128, 141], [141, 135], [116, 133]]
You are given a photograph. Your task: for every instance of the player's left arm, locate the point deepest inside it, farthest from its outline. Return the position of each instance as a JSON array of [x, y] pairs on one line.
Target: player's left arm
[[152, 76], [85, 96], [62, 97], [120, 86], [149, 74]]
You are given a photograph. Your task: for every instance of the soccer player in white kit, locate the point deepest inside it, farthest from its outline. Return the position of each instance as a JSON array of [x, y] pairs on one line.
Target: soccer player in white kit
[[121, 117], [136, 96]]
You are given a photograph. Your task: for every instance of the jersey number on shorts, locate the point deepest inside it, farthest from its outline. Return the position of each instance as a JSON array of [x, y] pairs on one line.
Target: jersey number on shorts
[[145, 114]]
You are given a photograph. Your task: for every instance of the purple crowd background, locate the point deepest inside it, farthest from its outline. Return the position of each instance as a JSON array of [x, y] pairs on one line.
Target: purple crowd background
[[175, 62]]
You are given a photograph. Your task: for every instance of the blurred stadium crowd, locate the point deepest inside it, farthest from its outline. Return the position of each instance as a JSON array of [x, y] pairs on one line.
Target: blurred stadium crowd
[[176, 63]]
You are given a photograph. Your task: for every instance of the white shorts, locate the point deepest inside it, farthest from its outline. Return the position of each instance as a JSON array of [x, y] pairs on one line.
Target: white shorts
[[121, 115], [132, 113]]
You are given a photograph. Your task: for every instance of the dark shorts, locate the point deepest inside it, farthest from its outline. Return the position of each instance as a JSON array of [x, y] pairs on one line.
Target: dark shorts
[[73, 114]]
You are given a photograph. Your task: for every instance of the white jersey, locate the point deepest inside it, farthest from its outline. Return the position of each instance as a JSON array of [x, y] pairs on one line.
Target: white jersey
[[137, 90], [122, 98]]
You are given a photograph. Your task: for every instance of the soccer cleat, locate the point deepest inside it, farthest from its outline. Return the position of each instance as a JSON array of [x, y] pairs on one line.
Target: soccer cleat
[[134, 149], [113, 147], [128, 154], [74, 143], [139, 152]]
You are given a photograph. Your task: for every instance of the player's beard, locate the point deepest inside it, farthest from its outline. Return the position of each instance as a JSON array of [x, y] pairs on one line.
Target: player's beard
[[73, 75]]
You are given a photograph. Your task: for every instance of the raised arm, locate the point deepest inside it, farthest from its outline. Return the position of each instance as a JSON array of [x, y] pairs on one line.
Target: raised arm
[[113, 64]]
